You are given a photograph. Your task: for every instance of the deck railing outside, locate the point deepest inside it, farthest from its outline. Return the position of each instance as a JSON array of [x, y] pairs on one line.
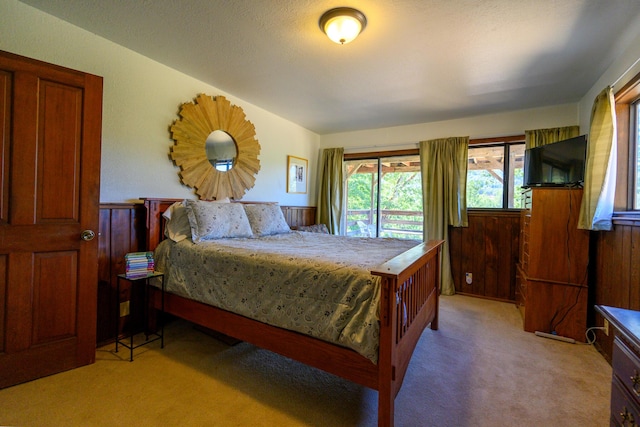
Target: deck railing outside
[[393, 223]]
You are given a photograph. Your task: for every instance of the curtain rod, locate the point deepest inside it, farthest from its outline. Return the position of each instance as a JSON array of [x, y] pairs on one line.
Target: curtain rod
[[414, 145], [625, 72], [406, 146]]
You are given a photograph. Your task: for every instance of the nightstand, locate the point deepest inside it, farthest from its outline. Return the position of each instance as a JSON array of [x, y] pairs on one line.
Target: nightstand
[[150, 337]]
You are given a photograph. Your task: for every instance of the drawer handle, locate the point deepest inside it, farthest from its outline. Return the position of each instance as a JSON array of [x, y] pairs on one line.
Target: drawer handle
[[627, 417], [635, 380]]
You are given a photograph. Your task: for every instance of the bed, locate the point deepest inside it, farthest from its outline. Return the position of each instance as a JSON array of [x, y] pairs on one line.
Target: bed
[[407, 302]]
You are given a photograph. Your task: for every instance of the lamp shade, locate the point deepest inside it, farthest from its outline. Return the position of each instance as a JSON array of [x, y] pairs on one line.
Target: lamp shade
[[342, 24]]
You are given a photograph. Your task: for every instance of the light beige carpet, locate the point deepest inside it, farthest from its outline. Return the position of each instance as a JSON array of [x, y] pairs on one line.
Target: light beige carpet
[[479, 369]]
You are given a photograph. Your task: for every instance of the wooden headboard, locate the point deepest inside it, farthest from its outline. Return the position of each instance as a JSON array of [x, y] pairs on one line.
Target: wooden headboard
[[294, 215]]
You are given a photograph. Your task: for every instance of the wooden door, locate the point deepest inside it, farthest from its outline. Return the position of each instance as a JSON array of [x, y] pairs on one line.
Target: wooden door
[[50, 133]]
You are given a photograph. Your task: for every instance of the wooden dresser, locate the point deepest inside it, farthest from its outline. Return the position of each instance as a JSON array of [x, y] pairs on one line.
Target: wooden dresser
[[552, 273], [625, 382]]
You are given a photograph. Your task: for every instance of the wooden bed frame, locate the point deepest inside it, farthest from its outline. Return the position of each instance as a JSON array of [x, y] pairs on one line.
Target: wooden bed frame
[[408, 304]]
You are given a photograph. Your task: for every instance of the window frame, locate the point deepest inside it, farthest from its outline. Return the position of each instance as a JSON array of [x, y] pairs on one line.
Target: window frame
[[627, 142], [377, 156], [634, 146], [504, 142]]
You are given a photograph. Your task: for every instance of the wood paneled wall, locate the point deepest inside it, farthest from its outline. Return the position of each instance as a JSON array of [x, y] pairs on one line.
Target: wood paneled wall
[[615, 273], [299, 215], [122, 230], [488, 249]]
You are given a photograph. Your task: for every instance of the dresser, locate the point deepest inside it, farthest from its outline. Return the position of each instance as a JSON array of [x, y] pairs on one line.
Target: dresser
[[625, 381], [552, 272]]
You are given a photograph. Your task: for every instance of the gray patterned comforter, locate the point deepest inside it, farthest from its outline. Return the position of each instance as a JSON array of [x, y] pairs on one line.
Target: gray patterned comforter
[[316, 284]]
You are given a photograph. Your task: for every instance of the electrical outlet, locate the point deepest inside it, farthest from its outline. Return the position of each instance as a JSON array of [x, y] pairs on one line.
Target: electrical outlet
[[124, 308], [468, 277], [606, 327]]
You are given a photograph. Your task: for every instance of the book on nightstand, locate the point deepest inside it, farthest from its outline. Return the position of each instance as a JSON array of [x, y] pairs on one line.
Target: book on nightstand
[[139, 264]]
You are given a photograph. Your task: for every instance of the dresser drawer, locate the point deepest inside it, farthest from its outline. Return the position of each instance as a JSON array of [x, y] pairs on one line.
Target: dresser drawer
[[626, 367], [624, 410], [526, 199], [625, 383]]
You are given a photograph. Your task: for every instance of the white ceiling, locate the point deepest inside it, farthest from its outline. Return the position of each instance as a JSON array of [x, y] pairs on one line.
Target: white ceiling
[[417, 60]]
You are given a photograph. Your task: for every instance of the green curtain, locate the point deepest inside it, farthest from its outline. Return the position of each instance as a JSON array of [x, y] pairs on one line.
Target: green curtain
[[538, 137], [331, 190], [596, 209], [444, 194]]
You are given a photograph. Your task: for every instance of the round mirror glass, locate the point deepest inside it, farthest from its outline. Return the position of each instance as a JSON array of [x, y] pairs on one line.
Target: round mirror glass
[[221, 150]]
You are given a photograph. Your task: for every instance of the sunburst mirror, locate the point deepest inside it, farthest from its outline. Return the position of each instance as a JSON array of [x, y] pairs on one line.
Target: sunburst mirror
[[215, 147]]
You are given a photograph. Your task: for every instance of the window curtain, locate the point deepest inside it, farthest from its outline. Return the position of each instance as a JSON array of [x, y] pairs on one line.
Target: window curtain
[[596, 209], [331, 190], [444, 194], [538, 137]]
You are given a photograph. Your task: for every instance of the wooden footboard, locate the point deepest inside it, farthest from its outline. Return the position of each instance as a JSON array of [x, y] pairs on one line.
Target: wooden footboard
[[409, 303]]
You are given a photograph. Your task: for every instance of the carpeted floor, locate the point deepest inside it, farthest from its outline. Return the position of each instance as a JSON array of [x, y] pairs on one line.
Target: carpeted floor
[[479, 369]]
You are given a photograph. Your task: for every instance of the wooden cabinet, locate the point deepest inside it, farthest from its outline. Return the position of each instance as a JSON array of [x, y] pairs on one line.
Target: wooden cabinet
[[551, 278], [625, 382], [625, 403]]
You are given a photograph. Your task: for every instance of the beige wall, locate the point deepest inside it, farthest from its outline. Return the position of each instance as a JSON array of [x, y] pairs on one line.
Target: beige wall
[[625, 64], [141, 100]]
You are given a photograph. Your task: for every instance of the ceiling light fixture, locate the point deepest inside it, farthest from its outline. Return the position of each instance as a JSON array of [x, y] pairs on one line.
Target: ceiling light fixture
[[342, 24]]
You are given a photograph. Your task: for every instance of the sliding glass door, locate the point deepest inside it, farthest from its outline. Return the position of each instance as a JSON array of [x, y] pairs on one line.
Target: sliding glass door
[[384, 197]]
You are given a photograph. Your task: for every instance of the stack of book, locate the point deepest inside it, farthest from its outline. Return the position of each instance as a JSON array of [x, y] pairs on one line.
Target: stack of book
[[139, 264]]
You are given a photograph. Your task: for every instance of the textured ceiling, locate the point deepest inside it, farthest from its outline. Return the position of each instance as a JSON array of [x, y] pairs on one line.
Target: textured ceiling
[[417, 60]]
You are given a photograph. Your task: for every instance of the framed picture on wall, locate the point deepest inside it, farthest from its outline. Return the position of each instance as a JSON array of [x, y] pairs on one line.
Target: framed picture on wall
[[296, 175]]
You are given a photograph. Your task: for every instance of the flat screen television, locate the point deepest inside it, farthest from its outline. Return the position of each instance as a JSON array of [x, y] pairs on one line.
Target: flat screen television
[[559, 164]]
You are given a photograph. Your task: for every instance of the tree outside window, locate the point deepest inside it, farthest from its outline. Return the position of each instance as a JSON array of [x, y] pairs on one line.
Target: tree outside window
[[396, 211], [494, 176]]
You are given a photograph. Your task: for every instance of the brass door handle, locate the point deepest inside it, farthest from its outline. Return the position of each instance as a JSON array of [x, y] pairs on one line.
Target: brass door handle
[[87, 235]]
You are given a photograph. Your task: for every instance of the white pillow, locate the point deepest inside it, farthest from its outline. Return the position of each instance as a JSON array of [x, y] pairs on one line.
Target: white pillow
[[177, 226], [216, 220], [266, 219]]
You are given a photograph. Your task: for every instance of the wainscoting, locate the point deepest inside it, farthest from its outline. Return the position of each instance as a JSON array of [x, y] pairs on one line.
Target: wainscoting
[[299, 215], [615, 273], [122, 230], [488, 249]]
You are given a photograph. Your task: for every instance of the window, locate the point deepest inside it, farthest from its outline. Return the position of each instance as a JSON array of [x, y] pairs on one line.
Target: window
[[635, 149], [628, 126], [494, 175], [384, 190], [395, 210]]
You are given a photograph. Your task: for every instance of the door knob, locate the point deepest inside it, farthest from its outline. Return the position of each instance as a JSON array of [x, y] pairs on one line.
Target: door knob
[[87, 235]]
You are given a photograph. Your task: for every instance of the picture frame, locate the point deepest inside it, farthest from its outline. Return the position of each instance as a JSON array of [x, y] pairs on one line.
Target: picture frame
[[297, 170]]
